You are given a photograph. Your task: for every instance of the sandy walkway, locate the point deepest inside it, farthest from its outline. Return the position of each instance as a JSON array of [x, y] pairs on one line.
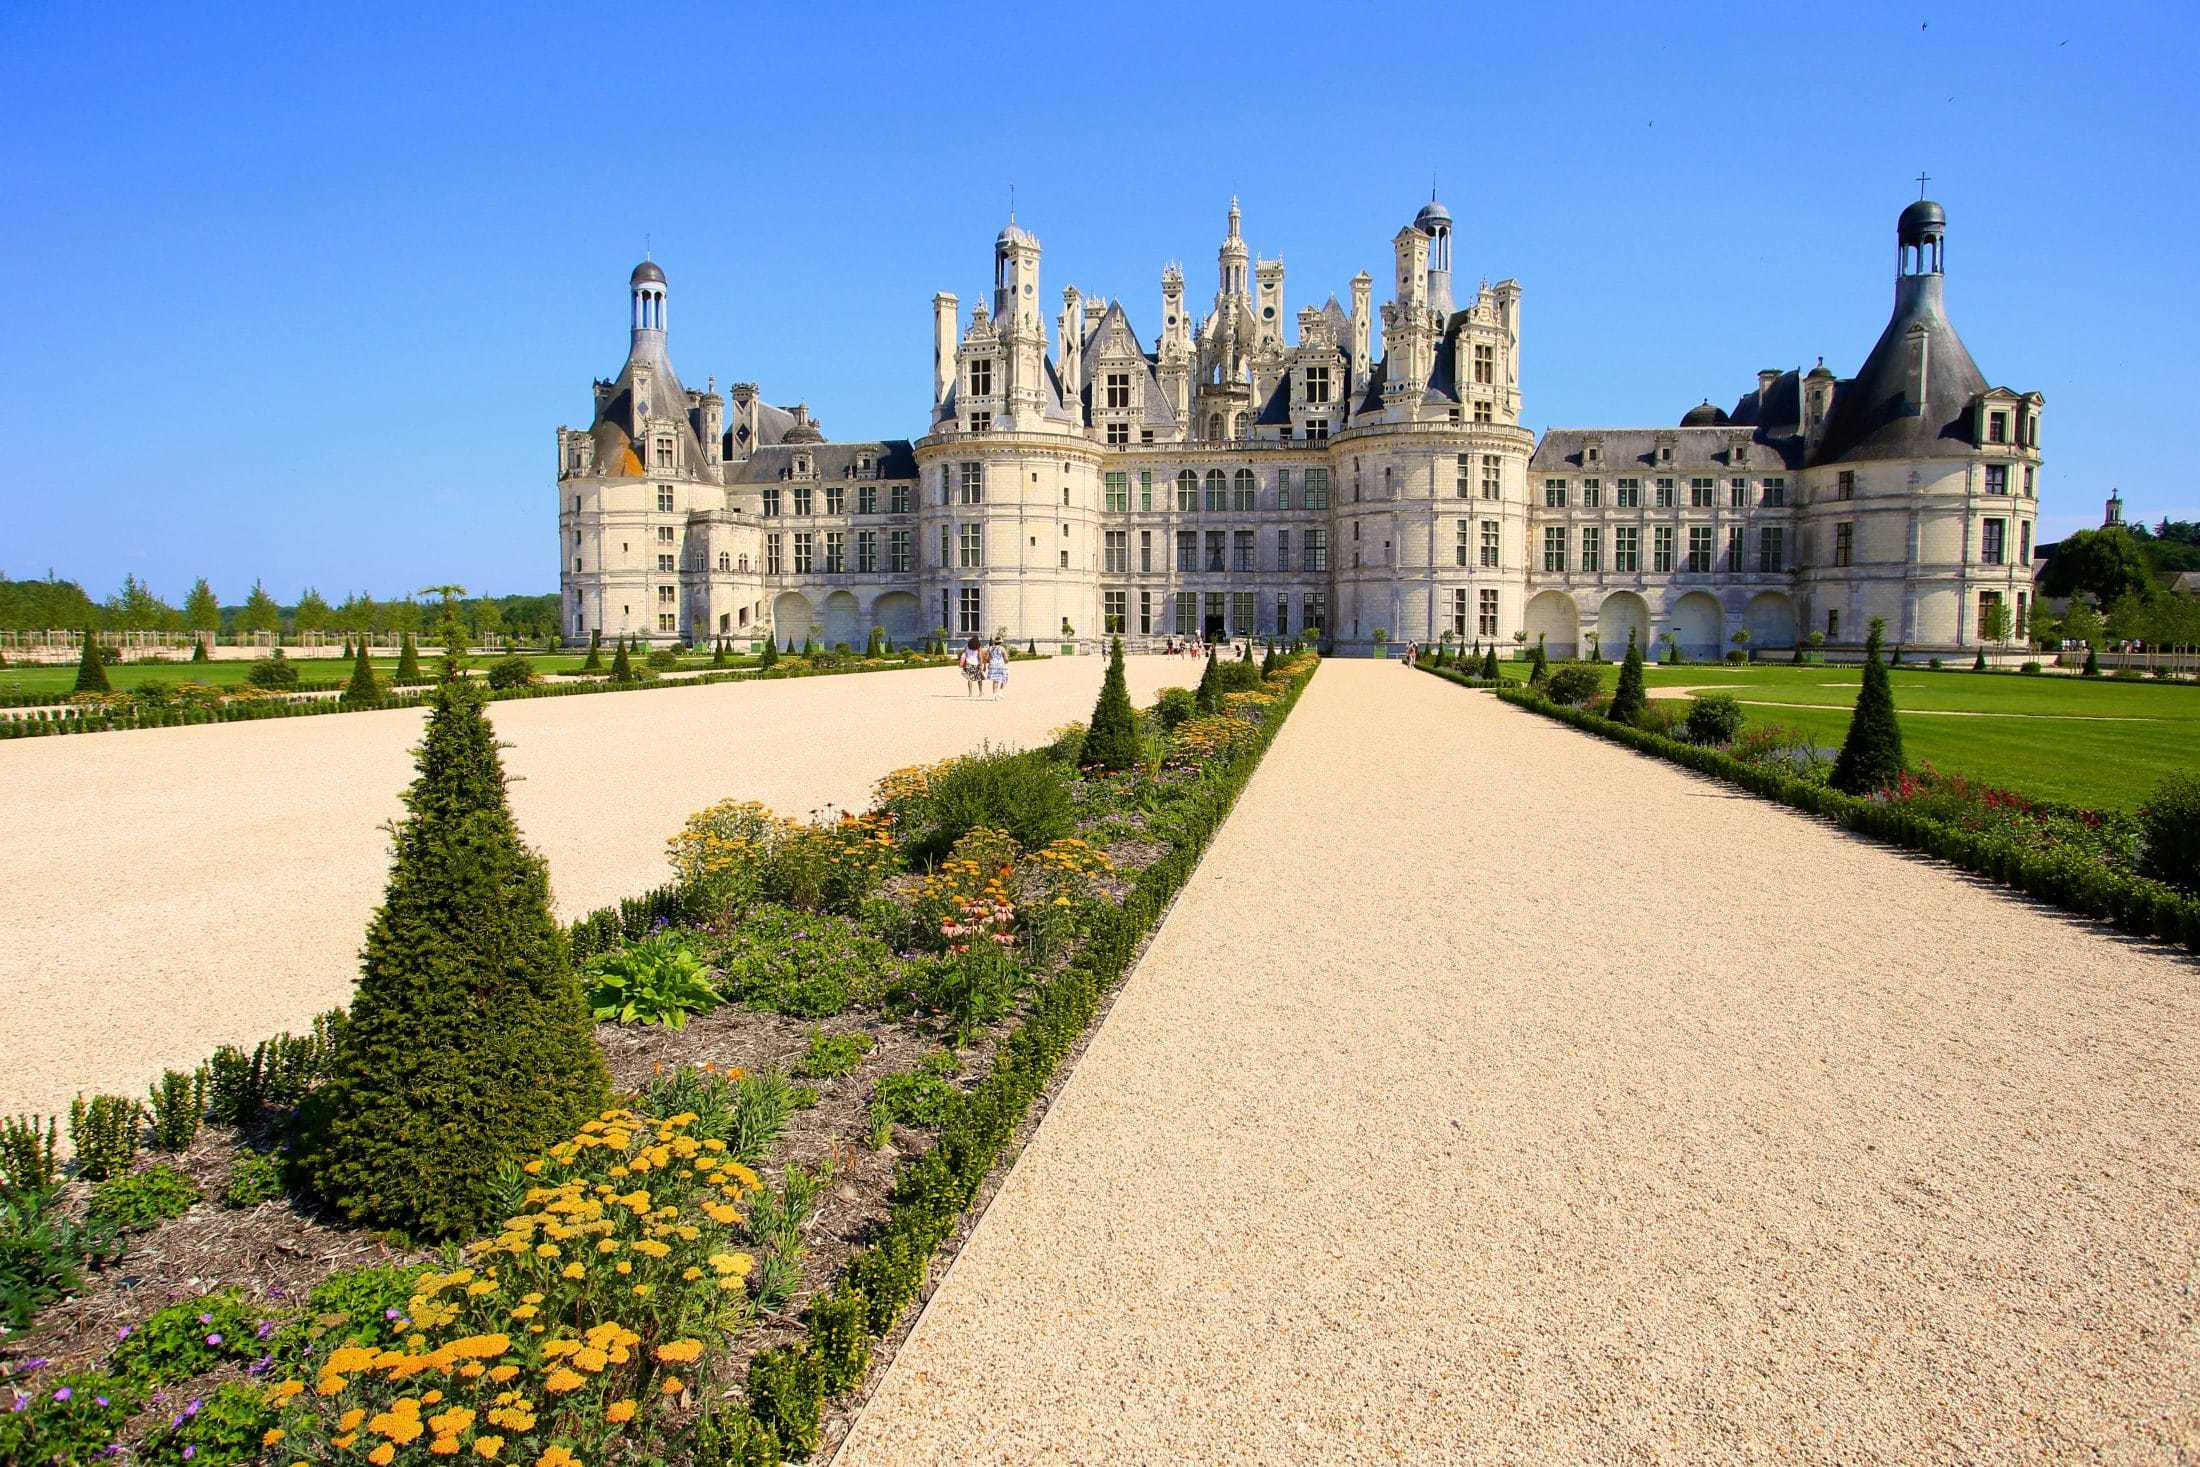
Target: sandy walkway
[[173, 889], [1495, 1094]]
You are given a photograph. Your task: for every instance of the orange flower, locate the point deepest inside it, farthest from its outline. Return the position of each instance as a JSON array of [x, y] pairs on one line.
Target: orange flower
[[680, 1352], [619, 1412]]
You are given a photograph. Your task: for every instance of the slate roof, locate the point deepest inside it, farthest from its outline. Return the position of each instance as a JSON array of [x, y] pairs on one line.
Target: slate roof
[[1633, 452], [1154, 408], [894, 458], [1874, 415]]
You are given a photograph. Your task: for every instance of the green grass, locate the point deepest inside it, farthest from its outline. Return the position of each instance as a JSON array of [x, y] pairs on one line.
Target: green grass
[[2054, 738], [123, 677]]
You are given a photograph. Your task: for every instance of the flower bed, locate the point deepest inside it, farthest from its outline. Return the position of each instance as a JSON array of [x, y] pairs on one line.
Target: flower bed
[[2081, 860], [696, 1272]]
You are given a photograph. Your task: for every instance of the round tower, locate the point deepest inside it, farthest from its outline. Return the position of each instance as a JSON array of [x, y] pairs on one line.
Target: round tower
[[646, 297]]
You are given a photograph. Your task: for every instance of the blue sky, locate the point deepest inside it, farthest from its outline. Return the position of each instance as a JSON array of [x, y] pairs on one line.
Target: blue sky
[[300, 291]]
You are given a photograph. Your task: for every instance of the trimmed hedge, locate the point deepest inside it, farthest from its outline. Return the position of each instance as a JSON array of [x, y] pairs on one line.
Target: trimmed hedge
[[788, 1386], [2075, 882], [1452, 674]]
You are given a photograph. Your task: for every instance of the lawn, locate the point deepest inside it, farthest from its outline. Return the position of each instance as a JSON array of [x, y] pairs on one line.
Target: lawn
[[2085, 741], [60, 679]]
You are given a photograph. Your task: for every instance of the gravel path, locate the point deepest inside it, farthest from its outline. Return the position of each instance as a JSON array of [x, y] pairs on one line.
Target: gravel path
[[1496, 1094], [169, 890]]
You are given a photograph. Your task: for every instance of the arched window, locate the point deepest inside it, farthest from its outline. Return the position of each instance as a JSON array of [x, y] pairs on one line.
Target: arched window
[[1214, 427], [725, 560], [1238, 428], [1241, 490], [1187, 491], [1215, 490]]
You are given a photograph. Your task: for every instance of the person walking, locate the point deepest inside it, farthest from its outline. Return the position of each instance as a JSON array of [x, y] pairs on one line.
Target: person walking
[[972, 662], [997, 669]]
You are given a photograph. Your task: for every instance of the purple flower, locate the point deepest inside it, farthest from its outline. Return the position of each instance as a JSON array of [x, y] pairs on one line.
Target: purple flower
[[20, 1403], [214, 1339], [189, 1453], [101, 1399], [259, 1366], [206, 1319], [192, 1409], [389, 1314], [277, 1294], [63, 1394], [123, 1333], [266, 1328], [31, 1365]]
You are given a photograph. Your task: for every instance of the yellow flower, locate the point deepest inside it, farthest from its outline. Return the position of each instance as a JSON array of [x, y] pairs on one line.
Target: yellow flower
[[525, 1312], [350, 1420], [382, 1455], [488, 1446], [546, 1250], [502, 1373], [444, 1446], [673, 1386], [561, 1380], [574, 1271], [619, 1412], [272, 1435], [641, 1291], [680, 1352], [329, 1385]]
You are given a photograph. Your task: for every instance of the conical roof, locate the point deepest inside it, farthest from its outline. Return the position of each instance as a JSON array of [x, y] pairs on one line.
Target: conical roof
[[1881, 413]]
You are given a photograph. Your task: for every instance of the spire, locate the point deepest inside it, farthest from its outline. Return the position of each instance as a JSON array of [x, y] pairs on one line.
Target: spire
[[1233, 216]]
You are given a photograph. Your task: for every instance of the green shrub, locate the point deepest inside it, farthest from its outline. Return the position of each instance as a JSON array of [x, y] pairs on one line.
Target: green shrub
[[1111, 742], [659, 980], [2030, 668], [363, 688], [514, 671], [664, 659], [1629, 698], [275, 673], [1663, 716], [226, 1425], [769, 657], [2092, 666], [137, 1201], [355, 1306], [468, 1044], [728, 1435], [176, 1102], [1871, 755], [69, 1419], [1174, 706], [1573, 684], [408, 664], [916, 1097], [2170, 823], [808, 965], [1539, 666], [42, 1256], [1489, 671], [1023, 793], [1205, 697], [832, 1055], [593, 662], [254, 1177], [840, 1334], [972, 988], [28, 1159], [104, 1134], [190, 1338], [91, 671], [622, 666], [786, 1392], [1714, 718]]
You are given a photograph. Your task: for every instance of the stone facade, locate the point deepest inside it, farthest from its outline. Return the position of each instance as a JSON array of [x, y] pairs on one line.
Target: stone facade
[[1237, 479]]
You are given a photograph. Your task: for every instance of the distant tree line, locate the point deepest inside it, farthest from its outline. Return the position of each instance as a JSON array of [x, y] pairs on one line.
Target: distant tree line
[[2115, 579], [51, 605]]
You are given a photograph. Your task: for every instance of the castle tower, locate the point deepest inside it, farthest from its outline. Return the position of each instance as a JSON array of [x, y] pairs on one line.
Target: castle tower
[[1230, 259], [1016, 319], [646, 292], [2113, 514], [1434, 220]]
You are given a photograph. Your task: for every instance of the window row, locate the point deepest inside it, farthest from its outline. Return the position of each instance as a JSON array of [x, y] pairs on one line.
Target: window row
[[900, 499], [1627, 493], [1703, 553], [900, 548]]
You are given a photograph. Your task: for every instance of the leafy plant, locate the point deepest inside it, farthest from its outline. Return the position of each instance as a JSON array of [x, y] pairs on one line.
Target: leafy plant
[[1024, 793], [1871, 755], [1714, 718], [659, 980], [186, 1339], [356, 1306], [273, 673], [809, 965], [42, 1255], [917, 1097], [2170, 827], [28, 1162], [468, 1043], [830, 1056], [1571, 685], [1174, 706], [227, 1425], [786, 1393], [254, 1177], [757, 1116], [134, 1202], [176, 1101], [68, 1419], [104, 1133], [776, 1222], [514, 671], [1111, 741]]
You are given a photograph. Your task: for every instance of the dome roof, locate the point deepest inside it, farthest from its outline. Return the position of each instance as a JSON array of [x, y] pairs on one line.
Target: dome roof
[[1014, 233], [1919, 219], [1703, 415], [1431, 213], [648, 272]]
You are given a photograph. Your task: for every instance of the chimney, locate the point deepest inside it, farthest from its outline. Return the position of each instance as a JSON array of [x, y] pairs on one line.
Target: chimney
[[943, 348]]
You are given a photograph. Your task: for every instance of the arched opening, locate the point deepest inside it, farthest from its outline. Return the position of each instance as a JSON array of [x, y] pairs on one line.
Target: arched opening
[[791, 617], [1621, 613], [1242, 492], [1552, 616], [1698, 625], [1770, 617], [896, 611], [842, 620]]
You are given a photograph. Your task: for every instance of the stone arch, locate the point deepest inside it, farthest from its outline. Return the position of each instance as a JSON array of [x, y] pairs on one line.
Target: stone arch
[[843, 620], [1699, 626], [791, 617], [1770, 617], [896, 611], [1553, 616], [1620, 613]]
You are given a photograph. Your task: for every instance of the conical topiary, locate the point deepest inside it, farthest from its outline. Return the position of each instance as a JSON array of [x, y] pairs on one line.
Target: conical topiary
[[1978, 663], [1539, 666], [91, 673], [1205, 697], [1489, 663], [364, 689], [1871, 755], [718, 653], [2092, 666], [770, 657], [469, 1046], [1112, 740], [408, 663], [622, 666], [1268, 662], [1629, 699], [1031, 645], [594, 662], [198, 650]]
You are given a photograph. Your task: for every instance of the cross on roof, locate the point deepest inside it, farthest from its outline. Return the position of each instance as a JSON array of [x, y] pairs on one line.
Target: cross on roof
[[1922, 180]]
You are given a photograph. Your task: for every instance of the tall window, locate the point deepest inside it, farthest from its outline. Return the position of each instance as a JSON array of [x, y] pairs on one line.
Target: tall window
[[1771, 549], [1317, 488], [1844, 543], [1492, 480], [1317, 551], [2028, 482], [1217, 491], [1699, 548], [1464, 483], [1734, 549], [1283, 488], [1626, 548], [1459, 612], [804, 541], [802, 500], [1145, 613], [1592, 493], [1462, 542], [774, 563], [1116, 487], [836, 499], [1283, 615], [1145, 550], [1317, 385], [1628, 492], [897, 499], [981, 376], [1116, 550], [1119, 434], [866, 551], [1592, 548], [1187, 613], [1991, 544], [1214, 550], [1665, 494], [1314, 613], [1244, 493], [664, 453], [664, 498], [1486, 617], [1702, 493], [970, 487], [1737, 493], [1187, 492], [1187, 550], [867, 499], [900, 551], [664, 534], [1554, 493], [1241, 551], [1145, 488], [2024, 541], [969, 547], [1554, 548], [1244, 618], [1661, 549], [1485, 365], [1997, 478], [1119, 394], [967, 609], [1776, 492], [1489, 544], [667, 562], [1111, 611], [1997, 427], [771, 501], [836, 542]]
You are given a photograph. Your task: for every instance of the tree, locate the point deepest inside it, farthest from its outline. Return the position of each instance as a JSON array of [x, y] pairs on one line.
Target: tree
[[770, 655], [1268, 663], [2081, 623], [364, 689], [1205, 697], [1628, 699], [469, 1047], [1539, 666], [718, 653], [2104, 564], [408, 664], [404, 616], [1871, 755], [91, 673], [488, 619], [135, 608], [1112, 741], [1741, 640], [260, 613], [312, 613], [622, 667], [446, 592], [2046, 627], [594, 661], [1993, 622], [2092, 666], [1489, 663]]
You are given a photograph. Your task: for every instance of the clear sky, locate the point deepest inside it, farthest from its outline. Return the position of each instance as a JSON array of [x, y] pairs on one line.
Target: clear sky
[[301, 291]]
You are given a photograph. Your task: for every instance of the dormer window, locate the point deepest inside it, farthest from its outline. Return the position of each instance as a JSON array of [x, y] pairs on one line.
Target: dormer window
[[1665, 453], [1591, 454], [1317, 385], [801, 466], [664, 453], [1119, 390], [981, 377], [1997, 427]]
